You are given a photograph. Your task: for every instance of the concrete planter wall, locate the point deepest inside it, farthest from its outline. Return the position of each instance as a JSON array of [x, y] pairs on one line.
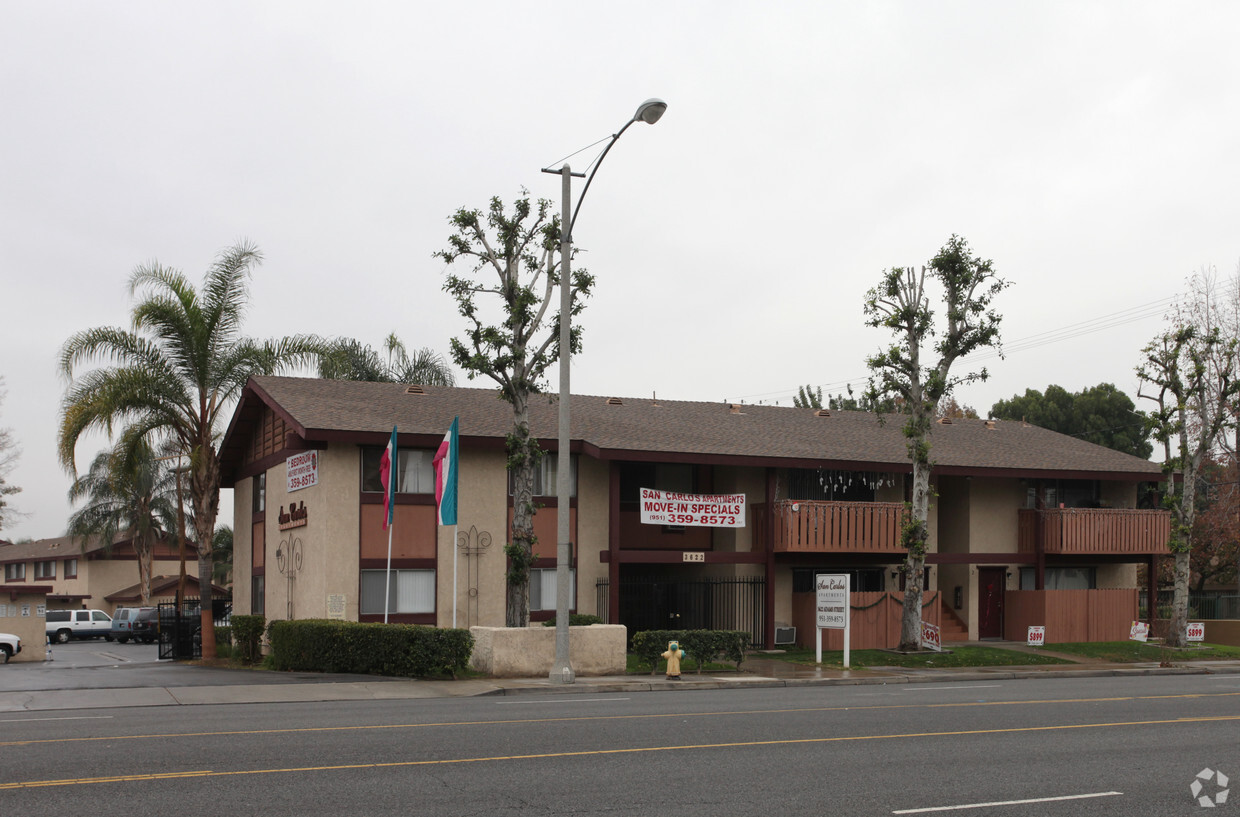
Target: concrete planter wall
[[529, 652]]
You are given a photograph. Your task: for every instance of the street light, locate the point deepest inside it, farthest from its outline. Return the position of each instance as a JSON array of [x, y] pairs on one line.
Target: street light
[[562, 671]]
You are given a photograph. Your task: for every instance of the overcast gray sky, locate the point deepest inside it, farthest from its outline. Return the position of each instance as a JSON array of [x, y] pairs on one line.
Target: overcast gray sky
[[1089, 149]]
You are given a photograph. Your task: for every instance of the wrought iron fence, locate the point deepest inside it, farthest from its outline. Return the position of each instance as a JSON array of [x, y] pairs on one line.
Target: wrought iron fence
[[689, 604], [1208, 606], [180, 629]]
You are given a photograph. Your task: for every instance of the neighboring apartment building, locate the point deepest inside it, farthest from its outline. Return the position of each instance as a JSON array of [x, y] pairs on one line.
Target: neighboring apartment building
[[72, 572], [1018, 510]]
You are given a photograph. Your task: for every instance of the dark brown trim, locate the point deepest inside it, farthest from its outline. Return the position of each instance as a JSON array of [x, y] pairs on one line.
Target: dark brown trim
[[981, 559], [769, 587], [399, 618], [613, 543], [27, 590], [398, 564], [259, 518], [675, 557], [376, 498]]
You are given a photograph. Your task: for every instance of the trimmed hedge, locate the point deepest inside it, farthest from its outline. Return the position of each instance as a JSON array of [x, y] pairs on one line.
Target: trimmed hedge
[[247, 632], [700, 645], [576, 620], [319, 645]]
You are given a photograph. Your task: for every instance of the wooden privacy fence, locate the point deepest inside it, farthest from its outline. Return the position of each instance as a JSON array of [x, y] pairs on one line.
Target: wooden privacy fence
[[875, 619], [1070, 615]]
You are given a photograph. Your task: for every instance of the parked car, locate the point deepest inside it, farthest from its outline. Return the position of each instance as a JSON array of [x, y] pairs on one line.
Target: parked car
[[10, 645], [123, 621], [65, 624], [145, 625]]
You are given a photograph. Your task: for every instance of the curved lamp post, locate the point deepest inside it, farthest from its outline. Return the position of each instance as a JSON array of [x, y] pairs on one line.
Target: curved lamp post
[[562, 671]]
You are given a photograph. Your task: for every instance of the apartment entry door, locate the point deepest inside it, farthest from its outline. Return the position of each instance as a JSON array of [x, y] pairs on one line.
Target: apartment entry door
[[991, 582]]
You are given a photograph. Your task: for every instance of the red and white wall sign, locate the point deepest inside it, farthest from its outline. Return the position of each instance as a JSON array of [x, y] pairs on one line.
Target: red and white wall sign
[[303, 470], [700, 510]]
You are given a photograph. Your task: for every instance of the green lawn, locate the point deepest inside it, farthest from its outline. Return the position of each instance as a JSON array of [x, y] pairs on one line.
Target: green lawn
[[959, 657], [1136, 651]]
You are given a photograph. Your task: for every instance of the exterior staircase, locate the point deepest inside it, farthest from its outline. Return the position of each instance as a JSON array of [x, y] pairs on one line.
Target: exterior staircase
[[952, 627]]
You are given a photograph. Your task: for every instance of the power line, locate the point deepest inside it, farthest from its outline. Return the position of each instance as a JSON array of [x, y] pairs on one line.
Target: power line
[[1069, 332]]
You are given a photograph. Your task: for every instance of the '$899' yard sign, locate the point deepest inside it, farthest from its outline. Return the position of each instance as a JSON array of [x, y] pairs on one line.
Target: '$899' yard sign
[[1036, 637]]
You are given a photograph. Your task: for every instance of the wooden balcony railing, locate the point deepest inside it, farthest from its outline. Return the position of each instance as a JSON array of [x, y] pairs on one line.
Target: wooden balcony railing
[[837, 527], [1095, 530]]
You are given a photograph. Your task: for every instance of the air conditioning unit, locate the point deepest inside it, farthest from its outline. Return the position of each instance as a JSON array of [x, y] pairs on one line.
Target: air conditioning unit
[[785, 635]]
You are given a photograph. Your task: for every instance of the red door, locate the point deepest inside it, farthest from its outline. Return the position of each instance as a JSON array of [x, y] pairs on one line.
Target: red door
[[991, 582]]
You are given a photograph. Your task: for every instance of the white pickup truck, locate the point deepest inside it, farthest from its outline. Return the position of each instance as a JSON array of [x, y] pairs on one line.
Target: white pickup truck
[[10, 645]]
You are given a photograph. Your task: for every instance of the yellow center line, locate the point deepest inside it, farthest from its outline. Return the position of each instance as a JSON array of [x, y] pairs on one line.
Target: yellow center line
[[32, 784], [647, 716]]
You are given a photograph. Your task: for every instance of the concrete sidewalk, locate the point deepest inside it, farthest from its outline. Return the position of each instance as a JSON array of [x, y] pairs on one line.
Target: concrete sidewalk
[[758, 673]]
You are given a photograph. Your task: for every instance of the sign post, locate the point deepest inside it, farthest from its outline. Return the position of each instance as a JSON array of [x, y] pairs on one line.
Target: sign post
[[832, 610]]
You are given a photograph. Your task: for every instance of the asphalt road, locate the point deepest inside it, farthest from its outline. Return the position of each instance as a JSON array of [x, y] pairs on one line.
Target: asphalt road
[[1103, 746]]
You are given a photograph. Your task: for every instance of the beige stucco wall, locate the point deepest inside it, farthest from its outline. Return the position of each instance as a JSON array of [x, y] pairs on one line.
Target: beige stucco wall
[[21, 617], [529, 652], [953, 502], [482, 505], [593, 487], [1121, 576], [993, 506]]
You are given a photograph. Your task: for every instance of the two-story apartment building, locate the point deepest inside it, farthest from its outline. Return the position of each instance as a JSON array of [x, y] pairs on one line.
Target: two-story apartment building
[[1018, 509], [75, 572]]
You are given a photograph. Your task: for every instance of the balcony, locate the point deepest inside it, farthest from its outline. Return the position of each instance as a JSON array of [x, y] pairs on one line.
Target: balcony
[[838, 527], [1095, 531]]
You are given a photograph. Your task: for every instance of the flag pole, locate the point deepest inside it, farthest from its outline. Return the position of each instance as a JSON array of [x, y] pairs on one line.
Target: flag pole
[[387, 576], [455, 551]]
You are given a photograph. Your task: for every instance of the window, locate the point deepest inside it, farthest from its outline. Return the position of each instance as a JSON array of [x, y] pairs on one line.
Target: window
[[258, 595], [70, 568], [1061, 578], [45, 570], [408, 591], [546, 474], [414, 473], [543, 587], [258, 496], [15, 572]]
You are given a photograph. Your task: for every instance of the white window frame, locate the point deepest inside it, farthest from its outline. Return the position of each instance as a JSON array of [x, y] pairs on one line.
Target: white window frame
[[543, 588], [412, 591]]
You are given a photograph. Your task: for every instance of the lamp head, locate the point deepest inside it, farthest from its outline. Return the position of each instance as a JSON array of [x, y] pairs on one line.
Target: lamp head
[[650, 111]]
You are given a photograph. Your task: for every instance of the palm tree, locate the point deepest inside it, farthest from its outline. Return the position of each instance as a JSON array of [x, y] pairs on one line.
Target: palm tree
[[222, 554], [349, 359], [128, 492], [174, 376]]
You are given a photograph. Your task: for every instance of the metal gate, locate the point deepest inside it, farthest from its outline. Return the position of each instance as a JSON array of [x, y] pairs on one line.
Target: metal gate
[[690, 604], [180, 629]]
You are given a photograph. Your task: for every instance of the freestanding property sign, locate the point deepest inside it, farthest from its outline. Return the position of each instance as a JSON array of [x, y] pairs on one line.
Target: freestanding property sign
[[1196, 631], [831, 609], [1036, 636]]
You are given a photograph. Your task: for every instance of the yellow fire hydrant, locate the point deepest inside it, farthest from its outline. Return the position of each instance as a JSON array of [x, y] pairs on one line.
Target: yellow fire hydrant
[[673, 655]]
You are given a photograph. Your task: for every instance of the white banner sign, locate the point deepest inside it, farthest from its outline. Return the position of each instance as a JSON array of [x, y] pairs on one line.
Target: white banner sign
[[701, 510], [1036, 637], [1197, 631], [832, 601], [1139, 631], [930, 638], [303, 470]]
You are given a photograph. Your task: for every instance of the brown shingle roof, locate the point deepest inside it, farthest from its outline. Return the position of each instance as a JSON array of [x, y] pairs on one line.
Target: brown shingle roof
[[639, 428]]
